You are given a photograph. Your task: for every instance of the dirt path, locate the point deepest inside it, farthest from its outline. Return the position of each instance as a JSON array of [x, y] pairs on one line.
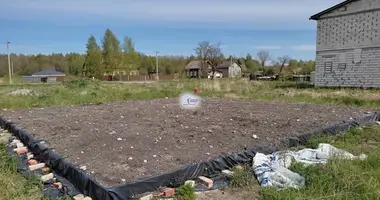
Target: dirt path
[[125, 141]]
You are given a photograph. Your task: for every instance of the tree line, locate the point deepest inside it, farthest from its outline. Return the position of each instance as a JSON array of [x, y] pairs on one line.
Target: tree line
[[112, 55]]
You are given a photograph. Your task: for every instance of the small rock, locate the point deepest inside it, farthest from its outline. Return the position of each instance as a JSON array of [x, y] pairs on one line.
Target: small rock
[[208, 154], [112, 132], [210, 131], [81, 152], [131, 147], [119, 139], [123, 180], [130, 158], [154, 156], [83, 168], [145, 161], [254, 136]]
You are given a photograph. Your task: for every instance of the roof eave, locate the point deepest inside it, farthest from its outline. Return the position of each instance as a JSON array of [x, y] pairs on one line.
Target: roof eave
[[337, 6]]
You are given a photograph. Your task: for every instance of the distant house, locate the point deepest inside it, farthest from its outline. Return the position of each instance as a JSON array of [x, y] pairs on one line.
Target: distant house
[[230, 69], [193, 69], [45, 76]]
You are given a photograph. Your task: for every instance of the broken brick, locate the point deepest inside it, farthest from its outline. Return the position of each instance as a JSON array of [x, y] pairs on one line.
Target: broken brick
[[32, 162], [147, 197], [168, 192], [19, 145], [79, 197], [47, 177], [36, 166], [206, 181], [46, 170], [21, 150], [190, 182], [227, 173]]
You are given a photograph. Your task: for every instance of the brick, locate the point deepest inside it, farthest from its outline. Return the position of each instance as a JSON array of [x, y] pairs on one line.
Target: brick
[[87, 198], [17, 149], [79, 197], [14, 142], [47, 177], [58, 185], [168, 192], [29, 155], [21, 150], [206, 181], [46, 170], [19, 145], [32, 162], [190, 182], [37, 166], [147, 197], [227, 173]]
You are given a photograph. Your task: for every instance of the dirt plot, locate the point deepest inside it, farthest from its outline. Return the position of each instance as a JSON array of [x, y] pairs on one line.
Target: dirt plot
[[120, 142]]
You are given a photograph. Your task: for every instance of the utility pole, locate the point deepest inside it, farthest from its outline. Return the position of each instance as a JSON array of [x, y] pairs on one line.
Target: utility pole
[[12, 69], [157, 64], [9, 64]]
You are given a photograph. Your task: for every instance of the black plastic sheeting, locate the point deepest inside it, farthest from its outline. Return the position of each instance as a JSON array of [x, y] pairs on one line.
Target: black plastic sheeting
[[212, 168]]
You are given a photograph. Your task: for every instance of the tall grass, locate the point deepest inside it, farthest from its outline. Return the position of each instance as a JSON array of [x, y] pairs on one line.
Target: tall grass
[[84, 91], [340, 179]]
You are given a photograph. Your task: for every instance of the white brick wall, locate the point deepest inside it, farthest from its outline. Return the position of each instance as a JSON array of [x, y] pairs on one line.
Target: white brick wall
[[342, 31], [357, 30], [365, 74]]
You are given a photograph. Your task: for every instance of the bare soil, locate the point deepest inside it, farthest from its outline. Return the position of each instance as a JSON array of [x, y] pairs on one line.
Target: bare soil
[[126, 141]]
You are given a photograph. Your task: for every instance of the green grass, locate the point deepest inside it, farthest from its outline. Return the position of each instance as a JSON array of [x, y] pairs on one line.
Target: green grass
[[80, 91], [186, 192], [13, 186], [339, 179], [242, 177]]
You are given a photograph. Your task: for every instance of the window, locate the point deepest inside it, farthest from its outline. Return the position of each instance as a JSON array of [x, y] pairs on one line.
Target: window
[[342, 61], [328, 67]]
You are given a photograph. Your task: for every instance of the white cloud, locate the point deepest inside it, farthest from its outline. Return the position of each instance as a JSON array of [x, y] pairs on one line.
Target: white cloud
[[268, 47], [304, 47], [243, 13]]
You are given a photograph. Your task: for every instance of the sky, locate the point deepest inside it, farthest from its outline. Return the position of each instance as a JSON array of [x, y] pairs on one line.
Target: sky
[[171, 27]]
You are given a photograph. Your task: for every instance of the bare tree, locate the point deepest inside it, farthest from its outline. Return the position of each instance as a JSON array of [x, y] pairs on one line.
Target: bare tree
[[202, 52], [283, 60], [263, 57], [210, 55]]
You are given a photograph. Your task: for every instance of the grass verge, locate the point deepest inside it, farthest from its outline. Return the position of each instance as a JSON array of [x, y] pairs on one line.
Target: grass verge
[[14, 186], [339, 179]]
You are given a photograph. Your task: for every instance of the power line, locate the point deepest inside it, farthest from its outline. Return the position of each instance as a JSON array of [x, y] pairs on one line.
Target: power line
[[29, 45]]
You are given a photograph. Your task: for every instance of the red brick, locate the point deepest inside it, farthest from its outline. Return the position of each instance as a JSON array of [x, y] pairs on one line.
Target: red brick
[[168, 192], [32, 162]]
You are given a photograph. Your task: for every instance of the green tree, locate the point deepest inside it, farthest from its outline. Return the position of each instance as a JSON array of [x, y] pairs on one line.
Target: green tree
[[251, 64], [93, 65], [75, 63], [112, 57], [130, 56]]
